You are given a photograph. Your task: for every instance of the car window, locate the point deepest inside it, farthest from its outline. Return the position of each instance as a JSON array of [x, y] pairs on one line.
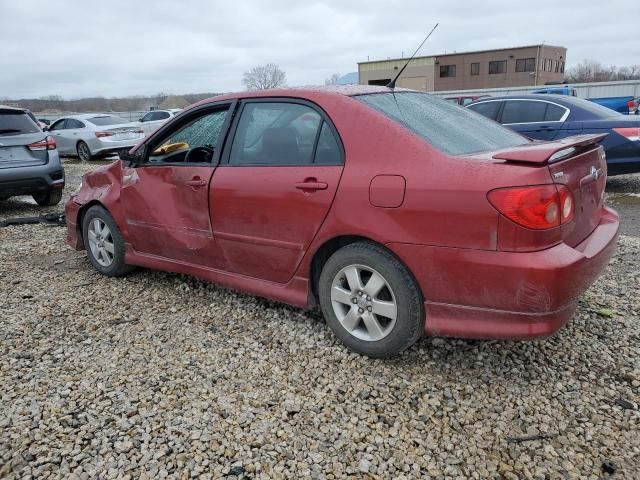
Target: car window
[[523, 111], [73, 123], [596, 110], [554, 113], [466, 101], [487, 109], [453, 130], [147, 117], [203, 131], [58, 125], [328, 151], [15, 122], [161, 115], [275, 133]]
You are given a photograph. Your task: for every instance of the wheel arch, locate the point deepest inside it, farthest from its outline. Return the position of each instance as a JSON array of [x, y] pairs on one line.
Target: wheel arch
[[80, 140], [80, 218], [334, 244]]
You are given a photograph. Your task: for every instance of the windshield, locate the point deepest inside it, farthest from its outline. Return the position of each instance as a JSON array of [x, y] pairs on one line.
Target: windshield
[[106, 120], [448, 127], [15, 123]]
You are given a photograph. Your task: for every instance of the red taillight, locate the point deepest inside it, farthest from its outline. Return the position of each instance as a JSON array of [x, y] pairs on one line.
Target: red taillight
[[537, 207], [48, 143], [104, 134], [630, 133]]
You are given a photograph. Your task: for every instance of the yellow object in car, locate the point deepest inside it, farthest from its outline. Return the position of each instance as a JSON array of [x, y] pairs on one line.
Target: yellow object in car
[[169, 148]]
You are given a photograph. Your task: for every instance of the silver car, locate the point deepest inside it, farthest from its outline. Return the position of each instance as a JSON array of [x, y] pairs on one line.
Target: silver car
[[152, 120], [94, 135]]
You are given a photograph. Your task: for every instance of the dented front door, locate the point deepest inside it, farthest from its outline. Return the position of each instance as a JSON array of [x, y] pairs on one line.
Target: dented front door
[[167, 212]]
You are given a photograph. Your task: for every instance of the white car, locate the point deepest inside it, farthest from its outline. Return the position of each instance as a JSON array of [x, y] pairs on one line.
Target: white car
[[152, 120], [94, 135]]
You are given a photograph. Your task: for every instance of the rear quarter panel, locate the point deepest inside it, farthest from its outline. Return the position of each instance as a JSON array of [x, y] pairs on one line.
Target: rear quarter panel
[[445, 202]]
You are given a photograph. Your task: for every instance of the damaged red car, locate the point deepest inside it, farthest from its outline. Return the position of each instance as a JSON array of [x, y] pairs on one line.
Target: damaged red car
[[396, 212]]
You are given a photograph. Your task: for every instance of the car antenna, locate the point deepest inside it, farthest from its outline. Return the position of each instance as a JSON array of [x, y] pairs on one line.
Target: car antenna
[[392, 83]]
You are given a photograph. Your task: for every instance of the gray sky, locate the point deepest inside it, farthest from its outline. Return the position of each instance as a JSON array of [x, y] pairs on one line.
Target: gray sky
[[124, 47]]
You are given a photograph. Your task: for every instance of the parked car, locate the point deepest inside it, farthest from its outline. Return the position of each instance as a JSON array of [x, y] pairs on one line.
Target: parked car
[[29, 161], [465, 100], [398, 213], [152, 120], [93, 135], [550, 117]]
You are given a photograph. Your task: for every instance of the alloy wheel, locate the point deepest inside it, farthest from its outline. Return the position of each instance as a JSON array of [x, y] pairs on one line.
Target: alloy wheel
[[83, 152], [364, 302], [101, 242]]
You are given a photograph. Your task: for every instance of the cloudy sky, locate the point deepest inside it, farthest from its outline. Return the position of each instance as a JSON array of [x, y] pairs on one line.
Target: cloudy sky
[[121, 47]]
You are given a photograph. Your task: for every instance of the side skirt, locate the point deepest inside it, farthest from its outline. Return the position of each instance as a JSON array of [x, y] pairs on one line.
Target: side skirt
[[295, 292]]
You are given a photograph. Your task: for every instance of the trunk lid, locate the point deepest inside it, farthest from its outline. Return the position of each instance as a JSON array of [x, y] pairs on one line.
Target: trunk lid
[[14, 151], [585, 174], [577, 162], [125, 132]]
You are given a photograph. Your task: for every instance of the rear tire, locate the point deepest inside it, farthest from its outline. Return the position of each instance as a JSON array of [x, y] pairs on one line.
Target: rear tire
[[104, 244], [48, 198], [84, 152], [371, 301]]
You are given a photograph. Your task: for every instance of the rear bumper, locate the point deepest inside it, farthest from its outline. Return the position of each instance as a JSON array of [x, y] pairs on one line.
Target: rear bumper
[[505, 295], [31, 179]]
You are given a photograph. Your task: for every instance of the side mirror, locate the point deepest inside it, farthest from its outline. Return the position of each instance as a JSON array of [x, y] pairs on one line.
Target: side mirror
[[141, 119], [133, 159], [45, 128]]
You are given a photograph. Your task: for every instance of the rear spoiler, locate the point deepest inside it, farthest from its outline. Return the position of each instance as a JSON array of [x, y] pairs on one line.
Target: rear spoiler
[[542, 152]]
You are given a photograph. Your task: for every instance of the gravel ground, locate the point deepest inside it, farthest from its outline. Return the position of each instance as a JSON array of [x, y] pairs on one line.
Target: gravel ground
[[159, 375]]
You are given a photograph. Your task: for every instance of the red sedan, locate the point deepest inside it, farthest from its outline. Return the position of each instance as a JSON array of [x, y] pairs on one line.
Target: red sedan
[[397, 212]]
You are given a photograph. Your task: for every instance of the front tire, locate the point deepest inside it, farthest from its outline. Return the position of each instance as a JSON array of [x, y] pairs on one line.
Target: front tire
[[48, 198], [371, 301], [84, 152], [104, 244]]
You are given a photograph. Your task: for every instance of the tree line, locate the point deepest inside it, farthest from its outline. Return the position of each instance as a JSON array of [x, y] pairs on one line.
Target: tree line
[[55, 103], [594, 71]]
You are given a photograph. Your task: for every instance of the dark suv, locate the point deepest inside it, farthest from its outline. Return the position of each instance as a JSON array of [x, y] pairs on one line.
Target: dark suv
[[29, 161]]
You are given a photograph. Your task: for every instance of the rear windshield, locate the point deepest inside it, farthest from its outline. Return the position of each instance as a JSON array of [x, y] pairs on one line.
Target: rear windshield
[[106, 120], [448, 127], [597, 110], [16, 123]]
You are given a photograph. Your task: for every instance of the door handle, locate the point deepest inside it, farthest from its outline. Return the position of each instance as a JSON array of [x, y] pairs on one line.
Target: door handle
[[196, 182], [311, 184]]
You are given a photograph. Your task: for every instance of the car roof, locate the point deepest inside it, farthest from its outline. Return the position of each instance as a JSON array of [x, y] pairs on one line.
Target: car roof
[[17, 109], [532, 96], [309, 92]]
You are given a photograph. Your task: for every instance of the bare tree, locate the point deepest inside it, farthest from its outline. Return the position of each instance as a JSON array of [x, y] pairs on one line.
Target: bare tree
[[593, 71], [264, 76], [333, 79]]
